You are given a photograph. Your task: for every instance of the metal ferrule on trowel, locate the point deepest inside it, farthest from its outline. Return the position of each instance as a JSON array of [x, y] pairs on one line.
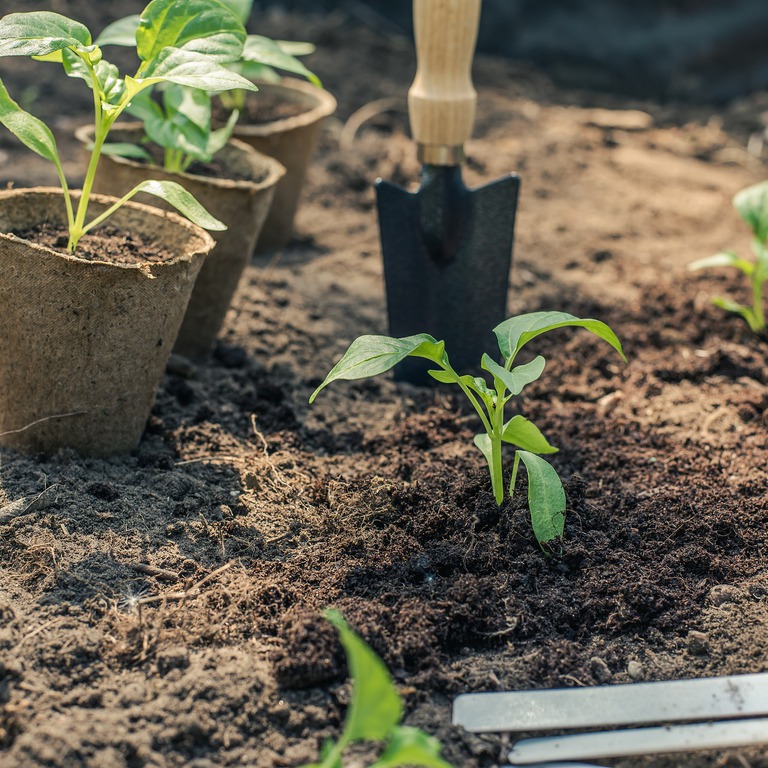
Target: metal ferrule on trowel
[[446, 249]]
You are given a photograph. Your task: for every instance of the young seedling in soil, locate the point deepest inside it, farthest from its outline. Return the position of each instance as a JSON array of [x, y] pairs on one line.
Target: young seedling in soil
[[375, 712], [188, 44], [372, 355], [752, 205], [180, 122]]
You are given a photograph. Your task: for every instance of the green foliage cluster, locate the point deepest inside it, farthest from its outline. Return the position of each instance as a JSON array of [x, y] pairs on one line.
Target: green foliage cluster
[[180, 121], [187, 44], [375, 712], [752, 205], [372, 355]]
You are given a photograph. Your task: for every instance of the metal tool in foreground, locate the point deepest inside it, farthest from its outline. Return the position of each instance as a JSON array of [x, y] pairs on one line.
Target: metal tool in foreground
[[734, 709], [447, 249]]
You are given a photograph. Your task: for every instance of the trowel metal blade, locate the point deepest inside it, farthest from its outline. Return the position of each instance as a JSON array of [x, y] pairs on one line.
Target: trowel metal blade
[[447, 253]]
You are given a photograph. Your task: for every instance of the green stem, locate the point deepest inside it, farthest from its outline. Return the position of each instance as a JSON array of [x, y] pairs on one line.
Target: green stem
[[102, 126], [333, 758], [497, 471], [758, 319], [106, 214]]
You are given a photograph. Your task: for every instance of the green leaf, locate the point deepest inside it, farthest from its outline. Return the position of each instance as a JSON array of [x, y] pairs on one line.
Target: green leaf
[[262, 50], [185, 67], [198, 26], [33, 133], [40, 33], [518, 378], [484, 445], [111, 85], [372, 355], [124, 149], [526, 435], [411, 746], [218, 138], [732, 306], [723, 259], [241, 8], [120, 32], [375, 708], [752, 205], [183, 201], [546, 498], [513, 334]]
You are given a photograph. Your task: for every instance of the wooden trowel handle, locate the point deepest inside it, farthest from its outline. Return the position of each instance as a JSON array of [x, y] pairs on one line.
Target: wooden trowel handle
[[441, 101]]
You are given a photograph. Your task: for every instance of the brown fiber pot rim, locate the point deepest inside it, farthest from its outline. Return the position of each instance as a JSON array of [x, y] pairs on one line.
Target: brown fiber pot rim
[[241, 152], [322, 104], [187, 253]]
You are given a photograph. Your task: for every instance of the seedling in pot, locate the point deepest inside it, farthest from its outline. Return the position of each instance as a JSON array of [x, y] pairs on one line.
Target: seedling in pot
[[187, 44], [375, 712], [752, 205], [372, 355], [180, 122]]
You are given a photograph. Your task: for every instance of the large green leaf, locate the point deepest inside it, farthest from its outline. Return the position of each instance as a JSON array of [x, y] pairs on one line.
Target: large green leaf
[[192, 69], [513, 334], [723, 259], [33, 133], [372, 355], [201, 26], [262, 50], [376, 707], [752, 205], [39, 33], [120, 32], [183, 201], [546, 498], [411, 746], [526, 435], [518, 378]]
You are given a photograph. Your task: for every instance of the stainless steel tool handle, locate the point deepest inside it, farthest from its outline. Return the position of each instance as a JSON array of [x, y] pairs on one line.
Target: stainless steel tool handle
[[442, 99]]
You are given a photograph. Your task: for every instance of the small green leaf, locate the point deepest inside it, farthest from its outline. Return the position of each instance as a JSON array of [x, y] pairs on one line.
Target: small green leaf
[[219, 138], [411, 746], [518, 378], [124, 149], [546, 498], [262, 50], [198, 26], [752, 205], [723, 259], [732, 306], [513, 334], [33, 133], [376, 707], [40, 33], [183, 201], [483, 443], [526, 435], [111, 85], [120, 32], [372, 355], [196, 71]]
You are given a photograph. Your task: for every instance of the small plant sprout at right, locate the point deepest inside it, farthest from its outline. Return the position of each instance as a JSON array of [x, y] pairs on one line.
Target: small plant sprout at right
[[372, 355], [752, 205]]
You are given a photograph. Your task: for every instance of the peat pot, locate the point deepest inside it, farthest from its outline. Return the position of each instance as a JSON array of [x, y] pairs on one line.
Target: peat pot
[[240, 196], [291, 140], [83, 344]]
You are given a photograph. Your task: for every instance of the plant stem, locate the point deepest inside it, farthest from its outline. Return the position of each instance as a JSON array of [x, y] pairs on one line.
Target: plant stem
[[497, 471], [758, 314]]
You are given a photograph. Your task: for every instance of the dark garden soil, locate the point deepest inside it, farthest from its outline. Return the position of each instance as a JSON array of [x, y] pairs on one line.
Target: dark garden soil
[[163, 609], [104, 243]]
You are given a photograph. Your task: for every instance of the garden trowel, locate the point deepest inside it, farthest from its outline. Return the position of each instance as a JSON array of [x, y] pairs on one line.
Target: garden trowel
[[447, 249]]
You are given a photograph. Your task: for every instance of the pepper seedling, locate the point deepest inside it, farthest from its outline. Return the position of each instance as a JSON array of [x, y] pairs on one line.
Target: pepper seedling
[[188, 44], [372, 355], [180, 121], [375, 712], [752, 205]]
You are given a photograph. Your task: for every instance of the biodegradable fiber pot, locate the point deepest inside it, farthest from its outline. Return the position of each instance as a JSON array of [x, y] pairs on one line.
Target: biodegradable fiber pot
[[83, 344], [240, 198], [291, 141]]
